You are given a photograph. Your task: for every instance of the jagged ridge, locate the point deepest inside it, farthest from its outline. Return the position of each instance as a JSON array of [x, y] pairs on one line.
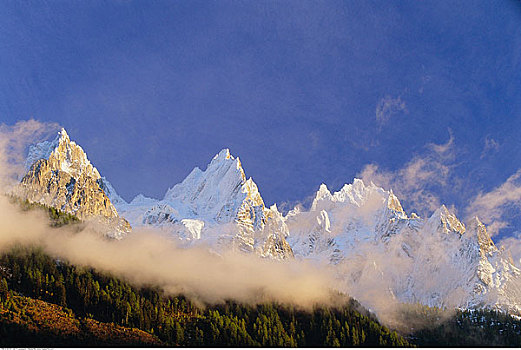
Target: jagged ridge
[[219, 206], [61, 176], [362, 229], [436, 262]]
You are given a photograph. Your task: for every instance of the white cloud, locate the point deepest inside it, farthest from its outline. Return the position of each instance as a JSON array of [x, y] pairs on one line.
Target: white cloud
[[14, 139], [513, 244], [491, 206], [416, 181], [387, 107], [421, 181]]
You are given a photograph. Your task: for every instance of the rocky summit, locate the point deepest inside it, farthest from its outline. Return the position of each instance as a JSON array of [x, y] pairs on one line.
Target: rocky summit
[[60, 175], [361, 231], [218, 206], [438, 261]]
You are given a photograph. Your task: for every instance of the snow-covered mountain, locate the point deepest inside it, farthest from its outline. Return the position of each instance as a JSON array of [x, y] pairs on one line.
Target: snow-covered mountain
[[376, 246], [60, 175], [378, 250], [218, 206]]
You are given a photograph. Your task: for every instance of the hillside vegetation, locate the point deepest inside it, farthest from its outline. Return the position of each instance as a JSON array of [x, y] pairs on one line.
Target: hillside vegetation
[[48, 302], [463, 327], [31, 322], [175, 320]]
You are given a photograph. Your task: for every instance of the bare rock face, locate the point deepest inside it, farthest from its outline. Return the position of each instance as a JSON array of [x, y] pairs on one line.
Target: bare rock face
[[61, 176], [271, 235]]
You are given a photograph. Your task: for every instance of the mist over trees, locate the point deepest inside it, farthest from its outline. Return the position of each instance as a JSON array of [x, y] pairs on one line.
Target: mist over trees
[[178, 321], [28, 275]]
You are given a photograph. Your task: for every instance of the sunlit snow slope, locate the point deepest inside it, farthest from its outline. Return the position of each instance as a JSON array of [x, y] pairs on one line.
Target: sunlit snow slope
[[379, 252]]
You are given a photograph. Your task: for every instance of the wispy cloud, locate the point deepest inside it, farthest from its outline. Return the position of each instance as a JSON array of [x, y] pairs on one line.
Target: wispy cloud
[[491, 146], [417, 180], [424, 80], [14, 139], [387, 107], [426, 177], [513, 244], [492, 206]]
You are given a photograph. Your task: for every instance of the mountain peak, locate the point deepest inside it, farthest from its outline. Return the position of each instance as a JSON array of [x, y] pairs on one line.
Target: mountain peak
[[224, 159], [216, 192], [223, 154], [63, 136], [64, 153], [479, 231], [60, 175], [443, 218], [356, 194], [323, 194], [218, 195], [393, 202]]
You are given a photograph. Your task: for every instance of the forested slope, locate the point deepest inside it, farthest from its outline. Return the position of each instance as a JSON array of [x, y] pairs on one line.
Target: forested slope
[[28, 275], [48, 302], [177, 321]]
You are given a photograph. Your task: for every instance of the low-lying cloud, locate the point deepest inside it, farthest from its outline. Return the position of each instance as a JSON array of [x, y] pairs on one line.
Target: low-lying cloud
[[149, 257]]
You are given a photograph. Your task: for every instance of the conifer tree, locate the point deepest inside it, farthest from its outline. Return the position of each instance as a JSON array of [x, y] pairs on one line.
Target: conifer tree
[[4, 290]]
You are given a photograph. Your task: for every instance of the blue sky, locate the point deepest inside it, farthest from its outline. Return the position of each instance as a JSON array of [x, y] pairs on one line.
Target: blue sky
[[304, 92]]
